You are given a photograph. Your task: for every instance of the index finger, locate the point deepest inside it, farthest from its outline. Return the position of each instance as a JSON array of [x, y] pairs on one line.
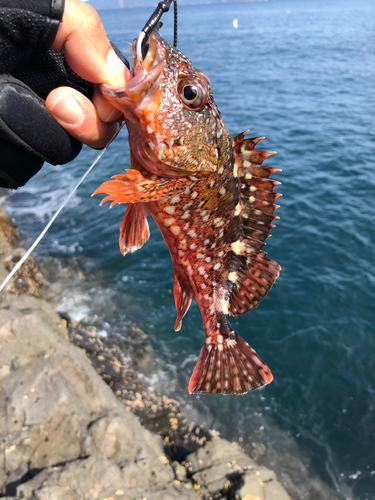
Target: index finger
[[87, 49]]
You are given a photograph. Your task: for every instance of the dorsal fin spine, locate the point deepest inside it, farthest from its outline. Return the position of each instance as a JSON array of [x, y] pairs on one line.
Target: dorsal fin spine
[[255, 272]]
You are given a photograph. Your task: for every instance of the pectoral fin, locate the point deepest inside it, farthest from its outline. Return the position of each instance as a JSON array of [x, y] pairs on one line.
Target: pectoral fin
[[133, 187]]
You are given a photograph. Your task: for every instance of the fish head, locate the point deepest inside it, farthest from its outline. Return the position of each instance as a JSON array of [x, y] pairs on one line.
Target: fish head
[[174, 124]]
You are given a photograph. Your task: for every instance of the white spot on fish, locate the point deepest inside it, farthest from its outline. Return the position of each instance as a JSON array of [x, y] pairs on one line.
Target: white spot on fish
[[231, 342], [169, 222], [175, 230], [220, 339], [150, 129], [246, 163], [176, 199], [160, 137], [185, 215], [232, 277], [220, 347], [169, 210], [194, 195], [193, 246], [238, 247], [192, 233], [235, 170], [201, 270], [225, 306], [217, 266]]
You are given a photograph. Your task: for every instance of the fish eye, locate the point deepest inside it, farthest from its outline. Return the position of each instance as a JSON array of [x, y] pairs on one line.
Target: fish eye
[[193, 92], [190, 92]]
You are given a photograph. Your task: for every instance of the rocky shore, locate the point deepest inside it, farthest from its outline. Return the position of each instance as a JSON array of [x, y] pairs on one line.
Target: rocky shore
[[77, 420]]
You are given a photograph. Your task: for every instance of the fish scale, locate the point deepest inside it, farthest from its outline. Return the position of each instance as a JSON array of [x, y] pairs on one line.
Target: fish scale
[[210, 196]]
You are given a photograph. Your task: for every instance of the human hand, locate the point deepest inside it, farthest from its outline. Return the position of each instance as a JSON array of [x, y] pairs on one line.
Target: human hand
[[88, 52], [29, 135]]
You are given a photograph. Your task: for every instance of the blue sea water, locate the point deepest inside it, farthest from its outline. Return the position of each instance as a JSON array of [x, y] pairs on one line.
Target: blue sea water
[[302, 73]]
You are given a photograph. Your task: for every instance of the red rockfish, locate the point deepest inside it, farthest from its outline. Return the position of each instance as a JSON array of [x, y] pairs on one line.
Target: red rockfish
[[212, 200]]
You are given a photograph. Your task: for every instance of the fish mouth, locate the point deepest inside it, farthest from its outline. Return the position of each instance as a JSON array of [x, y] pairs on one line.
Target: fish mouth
[[147, 72]]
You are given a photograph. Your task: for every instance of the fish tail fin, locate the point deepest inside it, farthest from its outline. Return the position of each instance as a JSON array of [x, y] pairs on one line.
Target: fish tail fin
[[228, 365]]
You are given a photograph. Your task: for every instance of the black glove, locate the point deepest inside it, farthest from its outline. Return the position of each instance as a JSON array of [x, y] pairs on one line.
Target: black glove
[[29, 135]]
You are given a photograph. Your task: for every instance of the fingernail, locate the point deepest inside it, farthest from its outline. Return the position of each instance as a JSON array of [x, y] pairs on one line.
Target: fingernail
[[68, 110], [116, 67]]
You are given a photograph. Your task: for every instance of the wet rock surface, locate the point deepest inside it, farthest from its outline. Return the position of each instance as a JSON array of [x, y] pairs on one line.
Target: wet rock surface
[[67, 433]]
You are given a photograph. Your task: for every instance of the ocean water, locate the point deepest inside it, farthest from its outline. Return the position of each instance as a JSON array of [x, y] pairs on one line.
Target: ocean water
[[302, 73]]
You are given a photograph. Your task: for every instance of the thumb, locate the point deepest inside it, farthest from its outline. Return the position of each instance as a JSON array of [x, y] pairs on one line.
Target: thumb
[[86, 47]]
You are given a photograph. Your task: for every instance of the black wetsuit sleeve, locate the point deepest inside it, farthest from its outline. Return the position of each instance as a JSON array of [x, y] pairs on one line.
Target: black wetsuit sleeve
[[29, 135], [26, 25]]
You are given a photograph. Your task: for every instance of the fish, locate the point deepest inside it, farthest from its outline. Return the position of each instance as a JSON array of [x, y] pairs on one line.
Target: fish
[[212, 199]]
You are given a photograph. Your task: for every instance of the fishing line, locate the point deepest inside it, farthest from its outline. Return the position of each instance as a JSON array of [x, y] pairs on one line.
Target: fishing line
[[151, 24], [20, 262], [154, 21]]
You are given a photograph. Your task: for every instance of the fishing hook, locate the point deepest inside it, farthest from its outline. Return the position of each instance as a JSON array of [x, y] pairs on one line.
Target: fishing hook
[[162, 7]]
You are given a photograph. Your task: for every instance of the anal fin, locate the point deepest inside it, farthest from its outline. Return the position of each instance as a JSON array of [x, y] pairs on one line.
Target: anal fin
[[182, 298], [134, 230], [228, 365]]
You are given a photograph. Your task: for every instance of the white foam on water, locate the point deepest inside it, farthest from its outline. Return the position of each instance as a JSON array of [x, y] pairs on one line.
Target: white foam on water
[[73, 249], [101, 333], [76, 306]]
